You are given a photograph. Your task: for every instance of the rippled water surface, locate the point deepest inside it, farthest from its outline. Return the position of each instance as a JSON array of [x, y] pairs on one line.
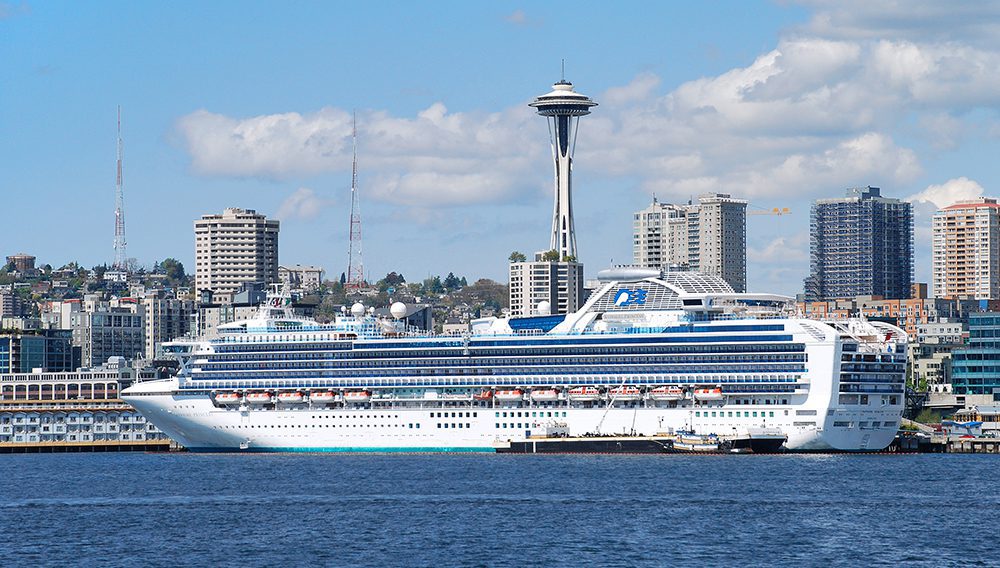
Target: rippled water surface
[[494, 510]]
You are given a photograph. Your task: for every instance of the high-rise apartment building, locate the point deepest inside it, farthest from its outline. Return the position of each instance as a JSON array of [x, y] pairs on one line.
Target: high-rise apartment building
[[166, 318], [237, 246], [558, 283], [966, 250], [860, 245], [708, 237]]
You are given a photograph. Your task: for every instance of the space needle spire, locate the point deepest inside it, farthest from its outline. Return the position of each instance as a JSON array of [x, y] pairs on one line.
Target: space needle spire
[[563, 108]]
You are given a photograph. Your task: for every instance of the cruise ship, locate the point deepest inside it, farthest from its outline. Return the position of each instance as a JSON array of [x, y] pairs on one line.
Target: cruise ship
[[649, 353]]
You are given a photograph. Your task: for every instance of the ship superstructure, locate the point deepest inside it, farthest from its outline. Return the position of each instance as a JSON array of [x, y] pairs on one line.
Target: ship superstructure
[[648, 353]]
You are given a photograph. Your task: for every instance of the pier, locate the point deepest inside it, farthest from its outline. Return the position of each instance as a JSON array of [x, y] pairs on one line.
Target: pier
[[85, 447]]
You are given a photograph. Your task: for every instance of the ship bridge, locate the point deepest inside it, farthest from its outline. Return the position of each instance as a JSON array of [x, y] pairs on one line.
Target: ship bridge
[[646, 298]]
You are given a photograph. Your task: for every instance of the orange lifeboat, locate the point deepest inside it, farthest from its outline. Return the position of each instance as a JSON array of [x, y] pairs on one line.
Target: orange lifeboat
[[510, 395], [667, 393], [357, 397], [625, 393], [484, 395], [322, 397], [584, 394], [291, 397], [227, 398], [258, 397], [709, 394], [544, 395]]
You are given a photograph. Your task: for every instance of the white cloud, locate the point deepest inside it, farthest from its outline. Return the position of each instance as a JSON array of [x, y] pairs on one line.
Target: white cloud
[[820, 112], [790, 249], [640, 88], [919, 20], [277, 145], [10, 9], [949, 192], [520, 18], [436, 158], [517, 17], [303, 204]]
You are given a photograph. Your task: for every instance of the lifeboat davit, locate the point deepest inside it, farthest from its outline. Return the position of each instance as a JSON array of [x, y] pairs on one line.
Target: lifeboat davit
[[360, 396], [667, 393], [709, 394], [625, 393], [544, 395], [484, 395], [258, 397], [322, 397], [291, 397], [510, 395], [227, 398], [584, 394]]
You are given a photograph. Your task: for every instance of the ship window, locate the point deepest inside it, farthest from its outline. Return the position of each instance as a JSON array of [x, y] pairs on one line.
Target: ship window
[[755, 414], [475, 415], [730, 413], [439, 424], [418, 425], [498, 425]]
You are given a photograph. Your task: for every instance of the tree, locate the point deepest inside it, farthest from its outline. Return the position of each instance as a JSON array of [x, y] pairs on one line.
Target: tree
[[173, 269], [393, 279], [517, 256], [551, 256], [569, 258], [928, 416], [433, 285], [451, 282]]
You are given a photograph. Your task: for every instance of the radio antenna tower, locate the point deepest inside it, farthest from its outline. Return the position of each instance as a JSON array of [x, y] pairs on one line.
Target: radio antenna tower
[[120, 256], [355, 264]]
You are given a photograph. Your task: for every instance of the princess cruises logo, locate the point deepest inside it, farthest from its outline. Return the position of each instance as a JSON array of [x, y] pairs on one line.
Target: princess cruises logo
[[630, 297]]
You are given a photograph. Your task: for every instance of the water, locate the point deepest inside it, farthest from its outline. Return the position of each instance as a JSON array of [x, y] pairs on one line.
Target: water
[[489, 510]]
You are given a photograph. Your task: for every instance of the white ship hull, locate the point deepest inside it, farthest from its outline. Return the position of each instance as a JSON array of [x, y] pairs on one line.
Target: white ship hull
[[199, 425]]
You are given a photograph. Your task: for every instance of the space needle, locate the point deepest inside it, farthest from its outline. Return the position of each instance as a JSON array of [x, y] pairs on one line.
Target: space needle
[[563, 108]]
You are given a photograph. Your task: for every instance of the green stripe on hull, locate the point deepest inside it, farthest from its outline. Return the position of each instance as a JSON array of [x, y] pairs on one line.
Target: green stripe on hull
[[416, 450]]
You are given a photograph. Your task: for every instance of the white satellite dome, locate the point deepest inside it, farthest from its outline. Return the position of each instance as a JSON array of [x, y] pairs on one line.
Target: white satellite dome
[[358, 310], [544, 308], [397, 309]]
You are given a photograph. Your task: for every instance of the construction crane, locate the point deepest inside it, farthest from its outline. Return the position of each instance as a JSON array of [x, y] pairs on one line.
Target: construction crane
[[773, 211]]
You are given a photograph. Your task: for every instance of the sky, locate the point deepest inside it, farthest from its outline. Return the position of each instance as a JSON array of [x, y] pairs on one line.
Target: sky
[[249, 104]]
